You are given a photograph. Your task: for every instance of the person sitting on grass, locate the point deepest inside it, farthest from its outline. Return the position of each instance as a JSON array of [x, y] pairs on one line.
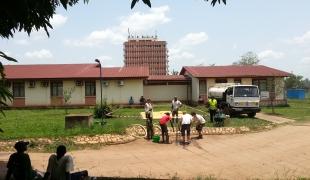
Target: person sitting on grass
[[186, 127], [19, 164], [164, 129], [200, 123]]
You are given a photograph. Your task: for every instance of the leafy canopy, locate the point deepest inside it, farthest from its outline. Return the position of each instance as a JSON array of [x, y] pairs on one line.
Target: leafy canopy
[[249, 58]]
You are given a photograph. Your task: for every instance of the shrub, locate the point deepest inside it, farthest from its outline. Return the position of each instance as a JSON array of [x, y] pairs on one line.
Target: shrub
[[105, 110]]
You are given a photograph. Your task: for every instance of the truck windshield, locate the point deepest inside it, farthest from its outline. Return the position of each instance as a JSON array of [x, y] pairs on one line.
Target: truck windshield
[[246, 91]]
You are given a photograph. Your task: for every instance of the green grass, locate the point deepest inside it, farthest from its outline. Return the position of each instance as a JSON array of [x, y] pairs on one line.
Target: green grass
[[298, 110], [19, 124]]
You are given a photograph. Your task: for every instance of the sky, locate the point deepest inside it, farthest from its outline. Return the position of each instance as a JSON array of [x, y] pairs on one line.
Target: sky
[[277, 31]]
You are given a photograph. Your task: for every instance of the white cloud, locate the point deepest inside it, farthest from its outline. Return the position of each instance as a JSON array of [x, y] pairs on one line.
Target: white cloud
[[305, 61], [305, 38], [58, 20], [41, 54], [181, 49], [138, 22], [270, 54], [192, 39], [178, 54]]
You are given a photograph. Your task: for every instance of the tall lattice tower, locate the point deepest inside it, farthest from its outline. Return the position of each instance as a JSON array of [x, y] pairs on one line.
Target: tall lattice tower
[[147, 51]]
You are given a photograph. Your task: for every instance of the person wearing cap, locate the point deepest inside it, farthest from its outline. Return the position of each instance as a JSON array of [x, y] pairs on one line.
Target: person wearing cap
[[59, 165], [175, 106], [186, 121], [200, 123], [212, 105], [148, 108], [19, 164], [164, 129]]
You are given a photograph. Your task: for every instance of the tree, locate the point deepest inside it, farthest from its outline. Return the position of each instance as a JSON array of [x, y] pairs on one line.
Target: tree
[[294, 81], [67, 96], [174, 72], [249, 58]]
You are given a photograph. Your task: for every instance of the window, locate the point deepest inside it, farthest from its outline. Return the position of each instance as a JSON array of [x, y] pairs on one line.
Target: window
[[221, 80], [246, 91], [56, 88], [261, 83], [18, 89], [90, 88], [202, 87], [237, 80], [229, 91]]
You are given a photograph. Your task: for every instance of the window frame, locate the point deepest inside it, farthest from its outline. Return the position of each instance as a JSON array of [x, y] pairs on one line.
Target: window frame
[[58, 91], [90, 88]]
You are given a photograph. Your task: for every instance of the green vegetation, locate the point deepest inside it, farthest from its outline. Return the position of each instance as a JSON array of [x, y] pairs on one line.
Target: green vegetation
[[50, 123], [298, 110], [18, 124]]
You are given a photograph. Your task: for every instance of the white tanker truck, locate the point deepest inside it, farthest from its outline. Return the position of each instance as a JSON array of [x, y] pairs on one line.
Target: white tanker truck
[[236, 99]]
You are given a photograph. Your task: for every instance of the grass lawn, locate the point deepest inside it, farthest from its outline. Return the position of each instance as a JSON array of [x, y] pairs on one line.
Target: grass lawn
[[298, 110], [19, 124]]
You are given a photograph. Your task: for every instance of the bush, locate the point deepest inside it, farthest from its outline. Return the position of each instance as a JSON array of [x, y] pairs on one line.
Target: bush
[[106, 111]]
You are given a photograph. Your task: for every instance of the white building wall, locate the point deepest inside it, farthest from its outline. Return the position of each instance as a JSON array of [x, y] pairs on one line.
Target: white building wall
[[78, 92], [165, 92], [246, 81], [116, 94], [195, 89], [279, 88], [38, 95]]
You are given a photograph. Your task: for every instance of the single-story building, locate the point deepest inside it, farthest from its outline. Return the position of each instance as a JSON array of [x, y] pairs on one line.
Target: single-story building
[[269, 80], [48, 84], [45, 85]]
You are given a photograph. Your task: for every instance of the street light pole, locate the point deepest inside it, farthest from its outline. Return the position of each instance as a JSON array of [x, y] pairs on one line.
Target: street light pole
[[101, 108]]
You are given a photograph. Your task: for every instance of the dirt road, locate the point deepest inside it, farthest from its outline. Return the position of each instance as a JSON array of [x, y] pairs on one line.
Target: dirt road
[[283, 152]]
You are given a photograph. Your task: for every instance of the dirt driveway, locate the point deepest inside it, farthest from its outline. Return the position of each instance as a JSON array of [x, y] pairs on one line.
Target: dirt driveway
[[283, 152]]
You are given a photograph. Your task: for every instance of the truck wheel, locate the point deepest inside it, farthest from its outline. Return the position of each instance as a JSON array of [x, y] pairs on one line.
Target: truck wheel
[[252, 114]]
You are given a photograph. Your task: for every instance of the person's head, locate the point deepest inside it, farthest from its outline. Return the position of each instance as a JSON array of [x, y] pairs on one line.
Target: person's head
[[175, 98], [61, 151], [211, 97], [21, 146], [184, 112], [148, 100], [193, 113], [167, 113]]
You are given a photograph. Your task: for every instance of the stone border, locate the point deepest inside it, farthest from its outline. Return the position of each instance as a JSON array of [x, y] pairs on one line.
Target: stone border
[[112, 139]]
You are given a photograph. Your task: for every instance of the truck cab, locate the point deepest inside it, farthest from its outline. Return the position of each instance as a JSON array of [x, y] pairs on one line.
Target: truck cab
[[237, 99]]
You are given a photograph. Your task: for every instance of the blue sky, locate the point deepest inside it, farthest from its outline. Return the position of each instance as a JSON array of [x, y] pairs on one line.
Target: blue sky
[[196, 33]]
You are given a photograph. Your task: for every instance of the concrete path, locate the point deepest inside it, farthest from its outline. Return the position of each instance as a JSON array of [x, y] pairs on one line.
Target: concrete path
[[283, 152], [273, 119]]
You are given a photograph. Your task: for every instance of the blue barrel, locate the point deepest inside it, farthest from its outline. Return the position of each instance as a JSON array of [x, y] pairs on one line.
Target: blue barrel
[[296, 93]]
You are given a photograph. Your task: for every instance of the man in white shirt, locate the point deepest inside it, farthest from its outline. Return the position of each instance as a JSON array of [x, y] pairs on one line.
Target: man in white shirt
[[59, 165], [148, 108], [175, 105], [186, 127], [200, 123]]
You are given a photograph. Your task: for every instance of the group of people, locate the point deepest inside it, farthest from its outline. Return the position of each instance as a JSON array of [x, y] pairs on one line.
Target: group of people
[[59, 165], [182, 124]]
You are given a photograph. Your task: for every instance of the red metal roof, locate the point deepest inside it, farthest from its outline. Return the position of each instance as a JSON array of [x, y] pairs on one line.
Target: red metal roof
[[68, 71], [233, 71], [167, 78]]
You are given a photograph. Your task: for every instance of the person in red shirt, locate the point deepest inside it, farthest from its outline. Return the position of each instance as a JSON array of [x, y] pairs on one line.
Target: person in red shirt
[[163, 125]]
